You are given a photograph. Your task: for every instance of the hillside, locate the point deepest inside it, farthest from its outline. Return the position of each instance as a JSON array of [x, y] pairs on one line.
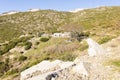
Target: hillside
[[97, 20], [28, 38]]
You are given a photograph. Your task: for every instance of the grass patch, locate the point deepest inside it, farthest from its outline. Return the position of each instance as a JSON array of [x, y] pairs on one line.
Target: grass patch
[[115, 63], [104, 39], [11, 72]]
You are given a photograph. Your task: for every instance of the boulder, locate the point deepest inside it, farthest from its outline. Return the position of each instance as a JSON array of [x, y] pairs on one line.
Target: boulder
[[42, 67]]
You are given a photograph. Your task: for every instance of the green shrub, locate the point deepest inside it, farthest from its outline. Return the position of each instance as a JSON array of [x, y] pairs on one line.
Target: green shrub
[[37, 43], [22, 58], [3, 68], [28, 45], [44, 39], [6, 47], [86, 34], [13, 71], [67, 57]]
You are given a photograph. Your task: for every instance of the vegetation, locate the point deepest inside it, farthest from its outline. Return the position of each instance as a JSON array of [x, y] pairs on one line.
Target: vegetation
[[83, 47], [11, 72], [4, 67], [89, 22], [115, 63], [44, 39], [104, 39], [79, 36], [49, 21], [6, 47], [22, 58], [28, 45], [37, 43]]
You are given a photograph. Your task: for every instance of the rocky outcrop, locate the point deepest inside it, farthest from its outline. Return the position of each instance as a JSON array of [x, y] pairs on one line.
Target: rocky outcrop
[[82, 68], [56, 70], [94, 48], [45, 68]]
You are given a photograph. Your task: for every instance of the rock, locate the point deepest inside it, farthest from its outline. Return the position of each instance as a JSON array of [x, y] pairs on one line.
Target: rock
[[65, 64], [94, 48], [42, 67], [82, 68]]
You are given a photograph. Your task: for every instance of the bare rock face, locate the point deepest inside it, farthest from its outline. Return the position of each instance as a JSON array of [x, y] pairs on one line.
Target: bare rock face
[[44, 69], [40, 68], [82, 68], [94, 48], [63, 71]]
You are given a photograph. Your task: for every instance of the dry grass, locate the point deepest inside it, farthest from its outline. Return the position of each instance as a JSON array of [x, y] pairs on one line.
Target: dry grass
[[61, 48]]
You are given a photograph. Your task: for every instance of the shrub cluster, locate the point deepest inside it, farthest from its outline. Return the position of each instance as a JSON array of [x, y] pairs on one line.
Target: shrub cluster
[[79, 36], [4, 66], [6, 47]]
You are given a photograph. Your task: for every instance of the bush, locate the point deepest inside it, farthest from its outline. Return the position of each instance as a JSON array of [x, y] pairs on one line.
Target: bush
[[6, 47], [44, 39], [13, 71], [86, 34], [22, 58], [1, 52], [28, 45], [37, 43], [3, 68]]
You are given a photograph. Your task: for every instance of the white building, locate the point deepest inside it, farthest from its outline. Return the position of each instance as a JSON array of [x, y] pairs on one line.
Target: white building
[[64, 35]]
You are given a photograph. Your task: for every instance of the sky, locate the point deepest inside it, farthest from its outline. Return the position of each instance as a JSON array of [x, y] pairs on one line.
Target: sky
[[60, 5]]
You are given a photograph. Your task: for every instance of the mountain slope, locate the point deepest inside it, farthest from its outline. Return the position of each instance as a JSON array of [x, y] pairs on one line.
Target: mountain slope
[[20, 53], [99, 19]]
